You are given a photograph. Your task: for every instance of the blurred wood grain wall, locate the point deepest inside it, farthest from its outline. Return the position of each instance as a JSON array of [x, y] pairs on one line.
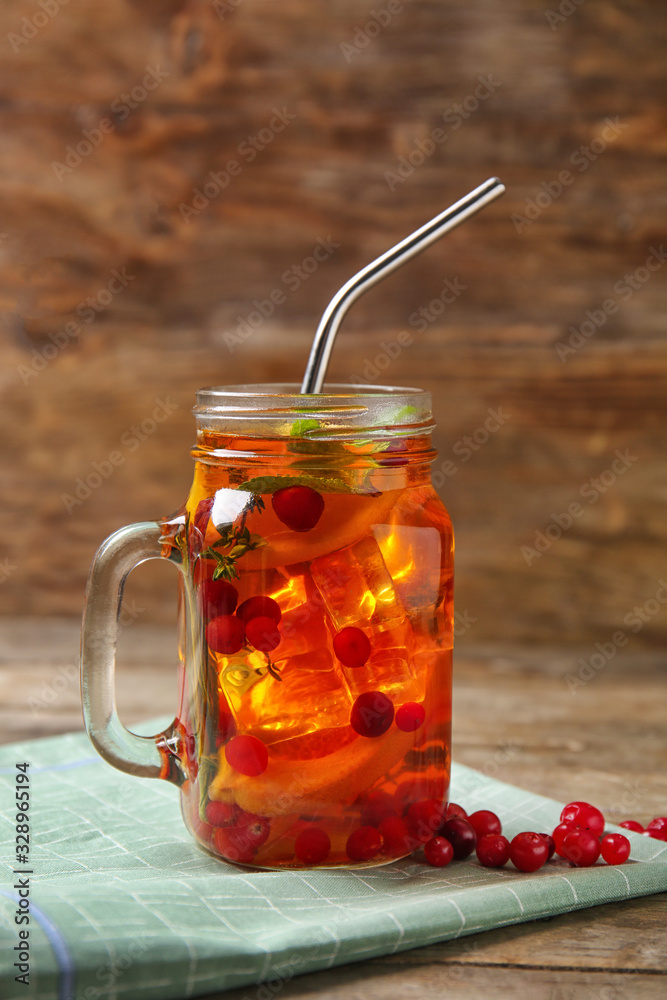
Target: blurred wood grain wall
[[167, 165]]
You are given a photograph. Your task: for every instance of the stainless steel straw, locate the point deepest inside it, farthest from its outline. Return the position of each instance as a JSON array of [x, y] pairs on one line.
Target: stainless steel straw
[[380, 268]]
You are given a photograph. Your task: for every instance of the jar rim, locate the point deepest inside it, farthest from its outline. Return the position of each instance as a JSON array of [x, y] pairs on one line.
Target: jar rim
[[341, 408], [335, 390]]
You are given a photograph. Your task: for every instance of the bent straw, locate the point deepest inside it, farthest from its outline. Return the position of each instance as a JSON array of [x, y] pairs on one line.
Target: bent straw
[[380, 268]]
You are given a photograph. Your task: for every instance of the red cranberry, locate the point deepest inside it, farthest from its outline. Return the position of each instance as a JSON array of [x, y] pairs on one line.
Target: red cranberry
[[559, 833], [657, 828], [615, 849], [263, 634], [259, 607], [352, 646], [410, 717], [551, 844], [493, 850], [372, 714], [200, 830], [312, 846], [584, 815], [299, 507], [455, 810], [528, 851], [247, 755], [484, 821], [363, 844], [424, 819], [377, 805], [461, 836], [226, 842], [226, 721], [221, 813], [220, 597], [632, 824], [251, 829], [395, 834], [406, 792], [581, 848], [225, 634], [438, 852]]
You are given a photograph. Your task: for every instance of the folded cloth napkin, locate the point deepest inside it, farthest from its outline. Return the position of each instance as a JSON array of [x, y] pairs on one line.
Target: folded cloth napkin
[[123, 904]]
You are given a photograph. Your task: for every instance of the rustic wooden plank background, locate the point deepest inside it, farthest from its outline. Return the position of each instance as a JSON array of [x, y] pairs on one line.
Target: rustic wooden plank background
[[156, 95]]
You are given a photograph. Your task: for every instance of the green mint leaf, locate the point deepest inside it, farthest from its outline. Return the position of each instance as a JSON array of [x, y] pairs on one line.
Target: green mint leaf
[[270, 484], [405, 411], [301, 427]]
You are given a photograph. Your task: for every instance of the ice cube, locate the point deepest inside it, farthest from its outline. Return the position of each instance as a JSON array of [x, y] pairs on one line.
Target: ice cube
[[309, 697], [309, 693], [390, 667], [412, 556], [304, 631], [356, 587], [288, 589]]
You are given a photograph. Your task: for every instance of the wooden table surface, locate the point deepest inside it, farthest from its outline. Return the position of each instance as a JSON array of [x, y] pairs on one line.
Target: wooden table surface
[[516, 717]]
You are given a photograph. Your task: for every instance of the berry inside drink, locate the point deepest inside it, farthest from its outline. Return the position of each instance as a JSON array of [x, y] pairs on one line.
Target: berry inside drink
[[316, 632]]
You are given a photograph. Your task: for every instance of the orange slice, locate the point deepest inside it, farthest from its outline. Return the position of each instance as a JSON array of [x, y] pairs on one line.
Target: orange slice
[[321, 743], [346, 518], [288, 787]]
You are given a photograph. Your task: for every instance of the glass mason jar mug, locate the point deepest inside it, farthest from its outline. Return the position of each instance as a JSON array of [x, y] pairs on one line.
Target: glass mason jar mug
[[316, 626]]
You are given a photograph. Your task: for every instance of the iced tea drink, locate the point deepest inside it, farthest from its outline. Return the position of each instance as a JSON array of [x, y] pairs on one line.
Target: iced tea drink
[[316, 634]]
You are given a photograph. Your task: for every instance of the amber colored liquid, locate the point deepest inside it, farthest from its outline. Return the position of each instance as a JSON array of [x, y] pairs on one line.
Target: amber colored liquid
[[379, 559]]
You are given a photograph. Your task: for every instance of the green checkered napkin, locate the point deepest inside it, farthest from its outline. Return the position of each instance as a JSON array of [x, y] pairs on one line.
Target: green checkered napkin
[[124, 904]]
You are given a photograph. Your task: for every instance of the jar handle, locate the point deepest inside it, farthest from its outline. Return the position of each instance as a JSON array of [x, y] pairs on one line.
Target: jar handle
[[144, 756]]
